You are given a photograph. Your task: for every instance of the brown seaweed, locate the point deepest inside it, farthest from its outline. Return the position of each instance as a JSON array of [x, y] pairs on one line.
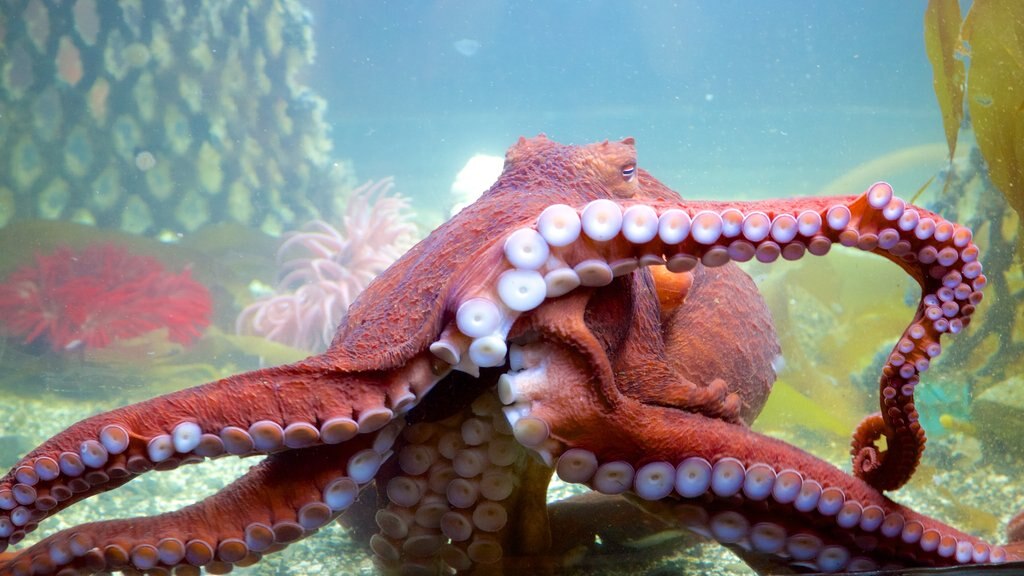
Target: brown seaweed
[[992, 37], [942, 42], [994, 30]]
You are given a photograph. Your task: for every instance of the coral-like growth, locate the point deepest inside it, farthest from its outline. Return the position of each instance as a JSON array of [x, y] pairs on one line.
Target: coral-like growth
[[323, 269], [90, 298], [84, 84]]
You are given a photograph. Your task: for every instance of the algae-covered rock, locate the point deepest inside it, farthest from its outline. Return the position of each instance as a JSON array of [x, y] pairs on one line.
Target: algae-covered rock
[[998, 414]]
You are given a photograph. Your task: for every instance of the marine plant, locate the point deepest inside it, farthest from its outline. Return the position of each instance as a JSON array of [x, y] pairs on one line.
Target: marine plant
[[978, 66], [90, 298], [157, 118], [991, 40]]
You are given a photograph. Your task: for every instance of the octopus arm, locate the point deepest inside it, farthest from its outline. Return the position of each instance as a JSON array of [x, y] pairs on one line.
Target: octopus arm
[[258, 413], [260, 513], [773, 500], [612, 237], [581, 362]]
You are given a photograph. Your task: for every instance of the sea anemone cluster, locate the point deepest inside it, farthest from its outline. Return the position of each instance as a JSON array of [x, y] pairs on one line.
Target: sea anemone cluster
[[324, 268], [77, 299], [158, 117]]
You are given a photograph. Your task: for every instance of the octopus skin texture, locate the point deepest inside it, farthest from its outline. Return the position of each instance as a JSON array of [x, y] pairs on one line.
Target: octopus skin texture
[[580, 319]]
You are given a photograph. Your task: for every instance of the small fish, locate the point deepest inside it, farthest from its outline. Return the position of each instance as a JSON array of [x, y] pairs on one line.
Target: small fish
[[954, 424], [467, 47]]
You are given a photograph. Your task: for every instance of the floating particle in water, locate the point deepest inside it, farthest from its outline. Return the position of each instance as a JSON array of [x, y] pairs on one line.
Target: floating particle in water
[[69, 62], [467, 47], [145, 161]]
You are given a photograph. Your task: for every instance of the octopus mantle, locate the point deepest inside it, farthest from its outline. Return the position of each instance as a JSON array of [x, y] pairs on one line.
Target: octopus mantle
[[579, 319]]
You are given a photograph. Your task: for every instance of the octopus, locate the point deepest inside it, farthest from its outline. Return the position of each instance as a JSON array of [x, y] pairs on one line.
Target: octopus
[[580, 319]]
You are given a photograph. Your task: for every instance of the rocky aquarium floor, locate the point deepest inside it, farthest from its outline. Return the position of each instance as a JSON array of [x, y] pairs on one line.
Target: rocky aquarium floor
[[956, 484]]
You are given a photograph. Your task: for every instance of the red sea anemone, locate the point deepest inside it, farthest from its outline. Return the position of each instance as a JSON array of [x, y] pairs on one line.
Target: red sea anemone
[[92, 297]]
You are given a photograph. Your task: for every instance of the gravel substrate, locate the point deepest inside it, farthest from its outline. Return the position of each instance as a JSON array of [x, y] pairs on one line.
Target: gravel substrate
[[956, 484]]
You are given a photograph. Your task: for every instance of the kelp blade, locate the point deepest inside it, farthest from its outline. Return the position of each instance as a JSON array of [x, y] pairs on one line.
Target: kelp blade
[[942, 42], [995, 32]]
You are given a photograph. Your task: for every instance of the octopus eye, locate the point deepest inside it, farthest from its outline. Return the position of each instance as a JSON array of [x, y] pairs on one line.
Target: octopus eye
[[628, 172]]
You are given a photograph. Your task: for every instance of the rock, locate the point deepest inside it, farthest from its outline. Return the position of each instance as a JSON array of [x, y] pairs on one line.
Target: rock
[[997, 413]]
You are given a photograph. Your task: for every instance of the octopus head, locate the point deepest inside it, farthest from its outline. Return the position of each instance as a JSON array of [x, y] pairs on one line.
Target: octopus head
[[601, 170]]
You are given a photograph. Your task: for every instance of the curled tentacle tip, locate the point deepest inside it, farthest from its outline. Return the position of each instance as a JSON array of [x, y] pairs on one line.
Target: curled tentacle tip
[[866, 460], [733, 408]]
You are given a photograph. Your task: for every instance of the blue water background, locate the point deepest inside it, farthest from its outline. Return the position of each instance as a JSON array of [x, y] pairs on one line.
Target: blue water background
[[726, 99]]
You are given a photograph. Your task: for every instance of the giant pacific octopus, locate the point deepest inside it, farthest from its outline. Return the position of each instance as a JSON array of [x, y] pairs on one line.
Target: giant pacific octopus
[[579, 319]]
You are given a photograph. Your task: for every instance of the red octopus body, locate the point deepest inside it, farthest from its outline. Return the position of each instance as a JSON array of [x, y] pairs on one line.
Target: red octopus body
[[579, 319]]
